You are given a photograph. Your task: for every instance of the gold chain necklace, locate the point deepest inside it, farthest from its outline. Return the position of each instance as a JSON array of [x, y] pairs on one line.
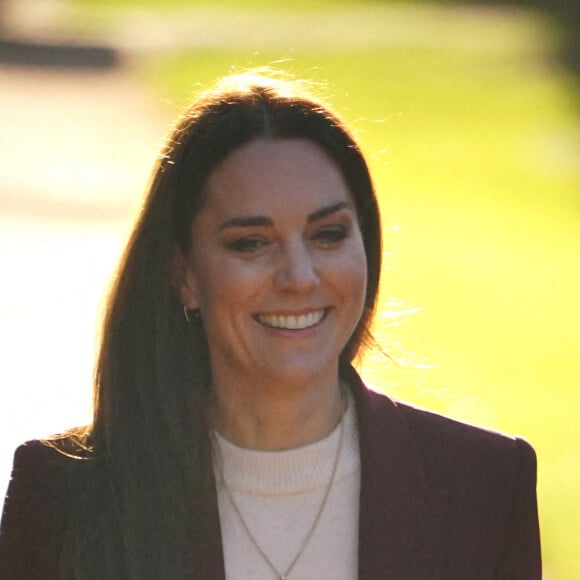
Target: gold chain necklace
[[265, 557]]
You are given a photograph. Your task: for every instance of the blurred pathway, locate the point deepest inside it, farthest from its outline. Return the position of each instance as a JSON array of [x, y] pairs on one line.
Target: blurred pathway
[[76, 149], [71, 141]]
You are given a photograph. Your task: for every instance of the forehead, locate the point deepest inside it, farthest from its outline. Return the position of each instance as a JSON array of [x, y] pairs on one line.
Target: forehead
[[271, 175]]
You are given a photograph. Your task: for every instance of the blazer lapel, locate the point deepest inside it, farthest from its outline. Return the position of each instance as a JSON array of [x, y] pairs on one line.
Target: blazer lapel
[[401, 512]]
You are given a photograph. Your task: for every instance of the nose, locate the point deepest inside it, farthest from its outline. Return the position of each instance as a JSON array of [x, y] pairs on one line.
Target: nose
[[296, 271]]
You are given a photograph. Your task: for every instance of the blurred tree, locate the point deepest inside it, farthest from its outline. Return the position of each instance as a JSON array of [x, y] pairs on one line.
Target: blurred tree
[[564, 13]]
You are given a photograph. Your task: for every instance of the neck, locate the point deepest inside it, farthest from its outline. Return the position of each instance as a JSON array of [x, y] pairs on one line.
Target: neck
[[277, 417]]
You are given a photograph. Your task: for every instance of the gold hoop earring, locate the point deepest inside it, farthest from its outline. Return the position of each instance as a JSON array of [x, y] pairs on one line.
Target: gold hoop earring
[[194, 314]]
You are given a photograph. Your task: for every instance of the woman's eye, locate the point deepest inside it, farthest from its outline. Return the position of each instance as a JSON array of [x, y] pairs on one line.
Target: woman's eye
[[331, 234], [247, 245]]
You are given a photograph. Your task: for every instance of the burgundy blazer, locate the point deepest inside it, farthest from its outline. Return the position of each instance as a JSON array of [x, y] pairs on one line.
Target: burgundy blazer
[[439, 500]]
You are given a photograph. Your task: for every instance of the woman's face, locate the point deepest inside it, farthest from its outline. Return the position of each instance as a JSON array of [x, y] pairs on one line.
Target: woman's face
[[277, 266]]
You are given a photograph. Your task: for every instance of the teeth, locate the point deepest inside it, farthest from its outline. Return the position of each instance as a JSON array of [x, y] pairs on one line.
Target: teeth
[[291, 322]]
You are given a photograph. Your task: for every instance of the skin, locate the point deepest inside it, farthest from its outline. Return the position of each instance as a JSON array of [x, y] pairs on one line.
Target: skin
[[277, 243]]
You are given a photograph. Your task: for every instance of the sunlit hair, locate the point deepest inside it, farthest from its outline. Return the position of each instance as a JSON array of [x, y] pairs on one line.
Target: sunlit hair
[[142, 510]]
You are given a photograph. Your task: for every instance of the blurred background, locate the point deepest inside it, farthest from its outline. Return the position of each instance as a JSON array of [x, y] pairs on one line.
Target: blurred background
[[469, 113]]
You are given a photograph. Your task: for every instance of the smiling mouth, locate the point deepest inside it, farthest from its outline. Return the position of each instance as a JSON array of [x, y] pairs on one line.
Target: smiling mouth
[[291, 321]]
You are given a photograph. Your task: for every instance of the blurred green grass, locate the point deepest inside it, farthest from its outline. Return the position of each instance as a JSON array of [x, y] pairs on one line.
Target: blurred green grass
[[472, 130]]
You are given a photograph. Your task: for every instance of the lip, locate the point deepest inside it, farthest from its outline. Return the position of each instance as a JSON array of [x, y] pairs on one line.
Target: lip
[[292, 321]]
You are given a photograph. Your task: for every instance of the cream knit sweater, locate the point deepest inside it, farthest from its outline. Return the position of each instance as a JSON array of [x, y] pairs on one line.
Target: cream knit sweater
[[279, 494]]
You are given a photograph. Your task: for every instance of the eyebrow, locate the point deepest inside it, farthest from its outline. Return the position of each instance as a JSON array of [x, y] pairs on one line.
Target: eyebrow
[[264, 221], [327, 210], [246, 221]]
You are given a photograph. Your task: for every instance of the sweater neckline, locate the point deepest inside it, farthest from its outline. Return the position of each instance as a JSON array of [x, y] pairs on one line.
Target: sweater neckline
[[293, 471]]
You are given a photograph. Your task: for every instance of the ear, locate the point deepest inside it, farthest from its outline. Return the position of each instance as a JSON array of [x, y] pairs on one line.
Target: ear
[[183, 280]]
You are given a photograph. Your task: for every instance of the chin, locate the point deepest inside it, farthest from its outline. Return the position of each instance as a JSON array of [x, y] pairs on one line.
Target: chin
[[301, 372]]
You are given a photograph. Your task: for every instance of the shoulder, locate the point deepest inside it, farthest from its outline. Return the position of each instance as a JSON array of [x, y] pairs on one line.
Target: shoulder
[[38, 479], [460, 457], [41, 478], [43, 463], [34, 513], [38, 455], [443, 433], [448, 445]]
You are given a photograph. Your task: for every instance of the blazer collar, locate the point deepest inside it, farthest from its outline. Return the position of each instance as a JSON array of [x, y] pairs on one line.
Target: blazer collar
[[401, 511]]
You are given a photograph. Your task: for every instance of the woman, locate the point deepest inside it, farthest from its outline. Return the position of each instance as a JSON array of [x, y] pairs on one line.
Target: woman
[[231, 437]]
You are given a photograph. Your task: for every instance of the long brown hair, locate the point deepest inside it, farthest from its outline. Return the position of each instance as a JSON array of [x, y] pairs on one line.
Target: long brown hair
[[138, 507]]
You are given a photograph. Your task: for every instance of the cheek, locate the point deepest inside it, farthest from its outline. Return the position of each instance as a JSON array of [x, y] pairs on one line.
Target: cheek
[[356, 280], [351, 274], [222, 284]]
